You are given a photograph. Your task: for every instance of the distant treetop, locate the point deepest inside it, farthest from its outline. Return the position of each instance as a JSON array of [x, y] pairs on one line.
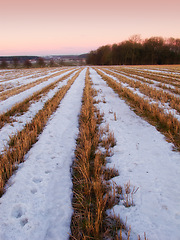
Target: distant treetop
[[154, 50]]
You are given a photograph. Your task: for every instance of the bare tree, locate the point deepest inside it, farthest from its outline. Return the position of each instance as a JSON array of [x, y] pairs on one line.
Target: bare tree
[[15, 62], [4, 64], [27, 64], [41, 62], [52, 63]]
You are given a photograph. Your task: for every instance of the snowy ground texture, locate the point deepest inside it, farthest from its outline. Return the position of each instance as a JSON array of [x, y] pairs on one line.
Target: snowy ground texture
[[20, 121], [37, 203], [143, 157], [11, 101]]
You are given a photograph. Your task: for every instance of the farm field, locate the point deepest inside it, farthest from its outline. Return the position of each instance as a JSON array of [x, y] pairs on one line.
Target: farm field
[[90, 153]]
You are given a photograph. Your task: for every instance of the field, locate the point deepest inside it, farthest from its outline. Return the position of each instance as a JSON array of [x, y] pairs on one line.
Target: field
[[90, 153]]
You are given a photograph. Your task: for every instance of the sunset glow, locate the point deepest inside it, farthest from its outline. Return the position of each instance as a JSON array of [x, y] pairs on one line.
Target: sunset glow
[[75, 27]]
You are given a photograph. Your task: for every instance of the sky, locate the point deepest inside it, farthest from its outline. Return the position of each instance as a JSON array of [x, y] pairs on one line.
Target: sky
[[46, 27]]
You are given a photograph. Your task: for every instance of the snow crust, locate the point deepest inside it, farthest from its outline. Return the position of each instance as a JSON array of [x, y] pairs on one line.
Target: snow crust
[[154, 83], [143, 157], [19, 122], [10, 84], [21, 75], [164, 106], [37, 204], [11, 101]]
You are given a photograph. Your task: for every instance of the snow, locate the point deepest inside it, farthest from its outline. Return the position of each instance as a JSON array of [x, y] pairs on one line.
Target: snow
[[11, 101], [143, 157], [164, 106], [25, 80], [161, 71], [18, 75], [37, 202], [4, 71], [19, 122], [15, 75], [149, 82], [37, 205]]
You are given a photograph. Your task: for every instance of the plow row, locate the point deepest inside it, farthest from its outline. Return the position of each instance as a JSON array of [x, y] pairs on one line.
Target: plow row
[[79, 159]]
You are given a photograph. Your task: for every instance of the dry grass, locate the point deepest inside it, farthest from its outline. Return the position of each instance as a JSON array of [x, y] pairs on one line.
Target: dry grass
[[88, 192], [20, 143], [128, 195], [23, 106], [166, 123], [144, 75], [92, 192], [151, 92], [6, 94]]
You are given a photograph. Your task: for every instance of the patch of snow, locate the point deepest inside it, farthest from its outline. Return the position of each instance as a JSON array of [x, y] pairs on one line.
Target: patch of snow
[[20, 121], [143, 157], [37, 205], [11, 101], [164, 106], [154, 83], [28, 79]]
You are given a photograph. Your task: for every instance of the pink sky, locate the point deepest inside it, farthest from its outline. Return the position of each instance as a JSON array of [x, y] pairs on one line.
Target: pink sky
[[41, 27]]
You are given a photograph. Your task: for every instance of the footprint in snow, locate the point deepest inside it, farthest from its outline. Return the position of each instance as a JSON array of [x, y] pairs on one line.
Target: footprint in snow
[[18, 211], [34, 190], [37, 180], [23, 222]]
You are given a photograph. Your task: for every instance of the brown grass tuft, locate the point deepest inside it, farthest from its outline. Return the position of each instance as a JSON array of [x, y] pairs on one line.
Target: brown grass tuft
[[92, 193]]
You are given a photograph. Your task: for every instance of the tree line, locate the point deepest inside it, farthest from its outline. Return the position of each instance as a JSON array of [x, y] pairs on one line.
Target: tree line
[[35, 61], [24, 62], [135, 51]]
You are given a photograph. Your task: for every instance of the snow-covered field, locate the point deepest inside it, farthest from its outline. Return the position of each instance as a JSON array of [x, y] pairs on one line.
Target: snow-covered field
[[144, 158], [37, 201], [20, 121], [11, 101], [162, 105]]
